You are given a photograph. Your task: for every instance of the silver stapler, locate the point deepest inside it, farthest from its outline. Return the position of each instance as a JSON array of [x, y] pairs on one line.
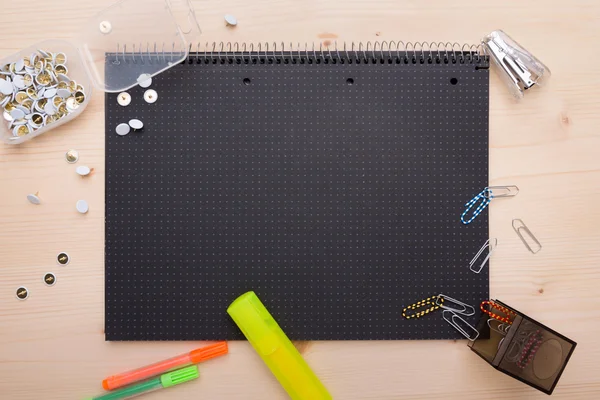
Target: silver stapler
[[518, 68]]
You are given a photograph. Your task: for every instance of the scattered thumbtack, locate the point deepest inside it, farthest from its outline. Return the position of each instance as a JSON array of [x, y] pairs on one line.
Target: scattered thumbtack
[[82, 206], [122, 129], [144, 80], [83, 170], [230, 20], [105, 27], [150, 96], [124, 99], [136, 124], [72, 156], [63, 258], [22, 293], [49, 279], [34, 199]]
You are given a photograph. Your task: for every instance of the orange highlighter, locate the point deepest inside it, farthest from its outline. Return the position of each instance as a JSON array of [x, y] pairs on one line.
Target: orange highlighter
[[193, 357]]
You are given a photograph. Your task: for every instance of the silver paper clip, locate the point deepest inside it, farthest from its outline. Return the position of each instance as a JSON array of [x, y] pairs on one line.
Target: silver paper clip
[[489, 244], [519, 69], [513, 351], [454, 320], [520, 227], [459, 306], [501, 328], [505, 191]]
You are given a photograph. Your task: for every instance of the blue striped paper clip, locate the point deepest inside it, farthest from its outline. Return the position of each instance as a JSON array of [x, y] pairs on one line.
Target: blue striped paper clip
[[484, 198]]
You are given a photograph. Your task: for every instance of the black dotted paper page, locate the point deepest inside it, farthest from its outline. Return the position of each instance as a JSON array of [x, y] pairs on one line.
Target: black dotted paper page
[[334, 191]]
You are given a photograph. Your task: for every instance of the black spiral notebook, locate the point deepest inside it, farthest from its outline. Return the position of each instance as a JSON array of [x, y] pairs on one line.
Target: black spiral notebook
[[330, 183]]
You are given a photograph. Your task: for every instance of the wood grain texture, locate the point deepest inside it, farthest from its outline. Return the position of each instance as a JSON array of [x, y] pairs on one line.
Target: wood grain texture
[[52, 345]]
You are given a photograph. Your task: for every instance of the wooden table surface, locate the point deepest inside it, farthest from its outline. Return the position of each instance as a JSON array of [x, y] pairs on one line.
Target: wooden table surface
[[52, 345]]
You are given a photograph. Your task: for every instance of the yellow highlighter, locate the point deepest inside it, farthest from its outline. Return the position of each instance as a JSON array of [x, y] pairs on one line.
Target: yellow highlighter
[[276, 350]]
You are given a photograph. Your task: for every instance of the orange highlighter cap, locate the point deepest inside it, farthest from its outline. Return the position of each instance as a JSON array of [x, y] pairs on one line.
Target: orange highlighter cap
[[208, 352]]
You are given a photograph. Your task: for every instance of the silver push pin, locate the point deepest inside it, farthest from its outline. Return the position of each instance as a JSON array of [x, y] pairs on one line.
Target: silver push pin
[[230, 20], [124, 99], [122, 129], [150, 96], [144, 80], [34, 198], [136, 124], [84, 170], [519, 69], [82, 206], [105, 27]]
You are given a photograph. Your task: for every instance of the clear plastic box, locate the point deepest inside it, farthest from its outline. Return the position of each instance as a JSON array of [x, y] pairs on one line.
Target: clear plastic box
[[527, 351], [517, 68], [143, 30]]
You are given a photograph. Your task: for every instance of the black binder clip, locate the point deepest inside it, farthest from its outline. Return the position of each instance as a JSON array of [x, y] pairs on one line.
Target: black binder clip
[[518, 68]]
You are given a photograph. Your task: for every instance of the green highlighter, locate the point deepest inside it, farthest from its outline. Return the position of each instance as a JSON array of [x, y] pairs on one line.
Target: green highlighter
[[164, 381]]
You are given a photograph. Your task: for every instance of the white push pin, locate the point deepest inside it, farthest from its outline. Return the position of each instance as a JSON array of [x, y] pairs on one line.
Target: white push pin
[[50, 93], [230, 20], [83, 170], [17, 114], [49, 108], [64, 93], [124, 99], [82, 206], [136, 124], [150, 96], [105, 27], [34, 199], [123, 129], [19, 65], [144, 80], [6, 88], [19, 82]]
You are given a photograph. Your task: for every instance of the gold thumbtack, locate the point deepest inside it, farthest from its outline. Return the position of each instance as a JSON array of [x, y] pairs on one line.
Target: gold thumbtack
[[22, 293], [63, 258], [79, 96], [60, 69], [60, 58], [72, 156], [21, 97], [49, 279]]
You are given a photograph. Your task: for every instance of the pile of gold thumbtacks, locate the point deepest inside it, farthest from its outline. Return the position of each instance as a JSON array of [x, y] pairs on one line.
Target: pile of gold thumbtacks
[[37, 91]]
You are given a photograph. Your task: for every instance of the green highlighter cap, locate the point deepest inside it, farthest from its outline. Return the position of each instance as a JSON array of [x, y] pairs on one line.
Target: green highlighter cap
[[180, 376], [276, 350]]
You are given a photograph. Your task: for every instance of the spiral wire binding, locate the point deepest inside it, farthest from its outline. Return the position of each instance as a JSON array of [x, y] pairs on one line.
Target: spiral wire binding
[[139, 55], [272, 52]]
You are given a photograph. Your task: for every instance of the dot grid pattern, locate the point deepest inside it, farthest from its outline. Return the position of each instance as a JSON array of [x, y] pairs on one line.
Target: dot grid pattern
[[337, 204]]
